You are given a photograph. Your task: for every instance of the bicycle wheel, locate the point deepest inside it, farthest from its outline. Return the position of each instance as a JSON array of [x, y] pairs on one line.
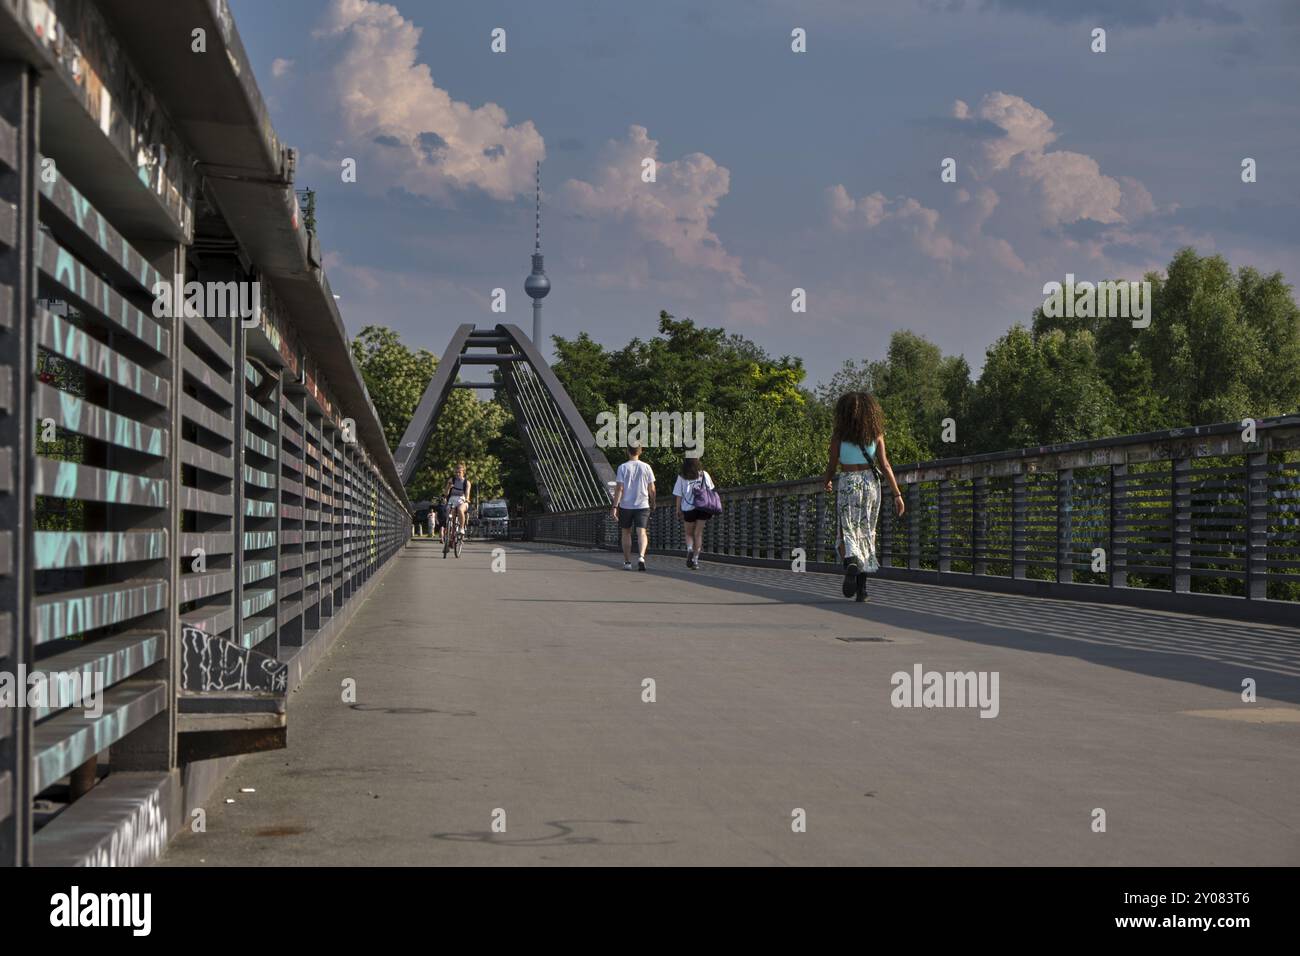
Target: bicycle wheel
[[459, 540], [446, 545]]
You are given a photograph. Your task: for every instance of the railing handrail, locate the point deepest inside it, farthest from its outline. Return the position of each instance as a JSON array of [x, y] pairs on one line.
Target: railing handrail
[[916, 471], [1187, 519]]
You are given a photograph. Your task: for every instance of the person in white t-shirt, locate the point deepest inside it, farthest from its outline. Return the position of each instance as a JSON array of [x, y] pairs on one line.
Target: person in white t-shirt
[[689, 482], [634, 496]]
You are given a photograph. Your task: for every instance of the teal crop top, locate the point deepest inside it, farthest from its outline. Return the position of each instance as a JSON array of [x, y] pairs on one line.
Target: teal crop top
[[851, 453]]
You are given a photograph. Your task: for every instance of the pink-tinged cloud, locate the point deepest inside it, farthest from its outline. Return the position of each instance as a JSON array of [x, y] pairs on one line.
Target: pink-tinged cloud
[[401, 127], [1010, 188], [672, 213]]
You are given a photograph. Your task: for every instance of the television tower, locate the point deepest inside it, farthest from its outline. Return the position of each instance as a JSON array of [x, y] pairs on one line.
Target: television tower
[[537, 285]]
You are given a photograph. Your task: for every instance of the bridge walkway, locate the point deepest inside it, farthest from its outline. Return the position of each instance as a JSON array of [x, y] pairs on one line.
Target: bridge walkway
[[479, 692]]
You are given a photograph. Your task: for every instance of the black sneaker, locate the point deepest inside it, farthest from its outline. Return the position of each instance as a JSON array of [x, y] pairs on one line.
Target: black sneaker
[[640, 564], [690, 559], [850, 586], [860, 593]]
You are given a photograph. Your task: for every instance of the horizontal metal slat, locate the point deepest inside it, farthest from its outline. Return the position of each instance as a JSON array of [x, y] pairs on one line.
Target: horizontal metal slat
[[205, 459], [8, 145], [256, 600], [66, 741], [207, 502], [259, 414], [67, 479], [97, 296], [204, 584], [8, 223], [213, 619], [80, 549], [256, 630], [64, 198], [201, 415], [66, 613], [64, 339], [211, 542], [258, 509], [259, 540], [200, 372], [202, 329], [109, 659], [80, 416]]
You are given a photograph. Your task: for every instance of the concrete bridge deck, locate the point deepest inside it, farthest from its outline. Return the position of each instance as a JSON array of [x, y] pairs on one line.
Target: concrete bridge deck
[[522, 691]]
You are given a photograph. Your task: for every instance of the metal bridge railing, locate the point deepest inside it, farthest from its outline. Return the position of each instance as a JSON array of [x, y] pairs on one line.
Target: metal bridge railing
[[1190, 519], [168, 485]]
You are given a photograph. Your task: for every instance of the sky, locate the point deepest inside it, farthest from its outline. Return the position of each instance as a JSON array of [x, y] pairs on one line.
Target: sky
[[778, 170]]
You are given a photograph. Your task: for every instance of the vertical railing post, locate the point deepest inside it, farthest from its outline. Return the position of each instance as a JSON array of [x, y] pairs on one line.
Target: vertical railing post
[[1117, 547], [945, 525], [801, 527], [979, 542], [1065, 526], [1180, 525], [914, 526], [19, 108], [885, 524], [1019, 517], [820, 508], [1257, 526], [770, 537], [745, 532]]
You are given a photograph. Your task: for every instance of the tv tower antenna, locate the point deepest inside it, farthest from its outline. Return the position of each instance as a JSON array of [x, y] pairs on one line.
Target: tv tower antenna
[[537, 285]]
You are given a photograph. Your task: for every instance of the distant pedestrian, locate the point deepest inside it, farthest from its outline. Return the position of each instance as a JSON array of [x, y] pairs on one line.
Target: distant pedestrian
[[857, 449], [692, 479], [440, 518], [634, 496]]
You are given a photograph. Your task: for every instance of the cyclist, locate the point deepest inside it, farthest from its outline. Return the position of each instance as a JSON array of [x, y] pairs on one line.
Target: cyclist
[[457, 494]]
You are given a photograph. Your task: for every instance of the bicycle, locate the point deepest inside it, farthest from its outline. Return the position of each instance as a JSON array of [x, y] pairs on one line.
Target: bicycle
[[455, 536]]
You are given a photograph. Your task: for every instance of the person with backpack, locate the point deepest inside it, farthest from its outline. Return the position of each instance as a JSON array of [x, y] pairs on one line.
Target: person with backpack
[[695, 505], [857, 450]]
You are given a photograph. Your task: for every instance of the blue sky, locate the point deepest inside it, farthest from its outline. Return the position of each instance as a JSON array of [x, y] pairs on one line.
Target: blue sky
[[776, 170]]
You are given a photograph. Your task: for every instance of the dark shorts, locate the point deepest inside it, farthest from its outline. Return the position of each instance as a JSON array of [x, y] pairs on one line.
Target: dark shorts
[[633, 517], [692, 516]]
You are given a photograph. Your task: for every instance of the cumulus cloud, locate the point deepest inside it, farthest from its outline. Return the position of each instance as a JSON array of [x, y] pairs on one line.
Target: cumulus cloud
[[1068, 186], [672, 214], [1015, 188], [402, 127], [280, 67], [905, 214]]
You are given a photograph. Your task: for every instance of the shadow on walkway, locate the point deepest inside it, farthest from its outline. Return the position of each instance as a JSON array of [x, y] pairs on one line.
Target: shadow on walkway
[[1212, 652]]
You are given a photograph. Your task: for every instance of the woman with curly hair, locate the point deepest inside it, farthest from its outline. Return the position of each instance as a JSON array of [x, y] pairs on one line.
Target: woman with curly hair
[[857, 450]]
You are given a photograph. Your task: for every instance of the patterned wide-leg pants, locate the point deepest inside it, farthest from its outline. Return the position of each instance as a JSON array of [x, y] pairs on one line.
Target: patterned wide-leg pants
[[857, 505]]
